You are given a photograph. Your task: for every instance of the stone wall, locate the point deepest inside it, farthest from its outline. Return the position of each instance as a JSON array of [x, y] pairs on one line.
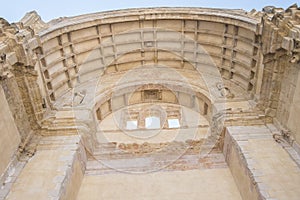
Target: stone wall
[[57, 82], [293, 119], [9, 137], [20, 94], [81, 48], [262, 168], [281, 65]]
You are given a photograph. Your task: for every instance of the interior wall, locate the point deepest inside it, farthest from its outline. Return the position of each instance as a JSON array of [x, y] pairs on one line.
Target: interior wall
[[9, 135], [289, 105], [280, 87], [83, 50], [284, 95]]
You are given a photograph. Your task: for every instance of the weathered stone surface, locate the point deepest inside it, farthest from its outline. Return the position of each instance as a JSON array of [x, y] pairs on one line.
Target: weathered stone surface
[[272, 173], [10, 137], [142, 90]]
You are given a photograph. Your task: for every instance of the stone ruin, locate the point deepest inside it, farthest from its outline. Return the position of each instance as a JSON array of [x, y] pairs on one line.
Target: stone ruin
[[200, 103]]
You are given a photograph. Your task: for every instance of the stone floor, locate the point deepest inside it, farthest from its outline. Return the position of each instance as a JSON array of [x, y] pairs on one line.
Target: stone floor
[[208, 184]]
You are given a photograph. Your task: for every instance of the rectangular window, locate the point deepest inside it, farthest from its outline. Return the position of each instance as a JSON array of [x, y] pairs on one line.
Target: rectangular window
[[152, 123], [131, 125], [173, 123]]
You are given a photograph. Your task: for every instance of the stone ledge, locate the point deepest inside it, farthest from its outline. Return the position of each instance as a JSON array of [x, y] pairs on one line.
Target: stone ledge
[[272, 173], [57, 173]]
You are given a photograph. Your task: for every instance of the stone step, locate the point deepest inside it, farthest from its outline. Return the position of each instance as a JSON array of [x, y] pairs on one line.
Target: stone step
[[153, 163], [111, 158]]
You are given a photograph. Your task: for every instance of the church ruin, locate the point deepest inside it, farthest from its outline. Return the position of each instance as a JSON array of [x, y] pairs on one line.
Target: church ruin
[[152, 103]]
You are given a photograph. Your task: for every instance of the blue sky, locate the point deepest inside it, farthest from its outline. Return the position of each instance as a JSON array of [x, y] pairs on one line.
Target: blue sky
[[13, 10]]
